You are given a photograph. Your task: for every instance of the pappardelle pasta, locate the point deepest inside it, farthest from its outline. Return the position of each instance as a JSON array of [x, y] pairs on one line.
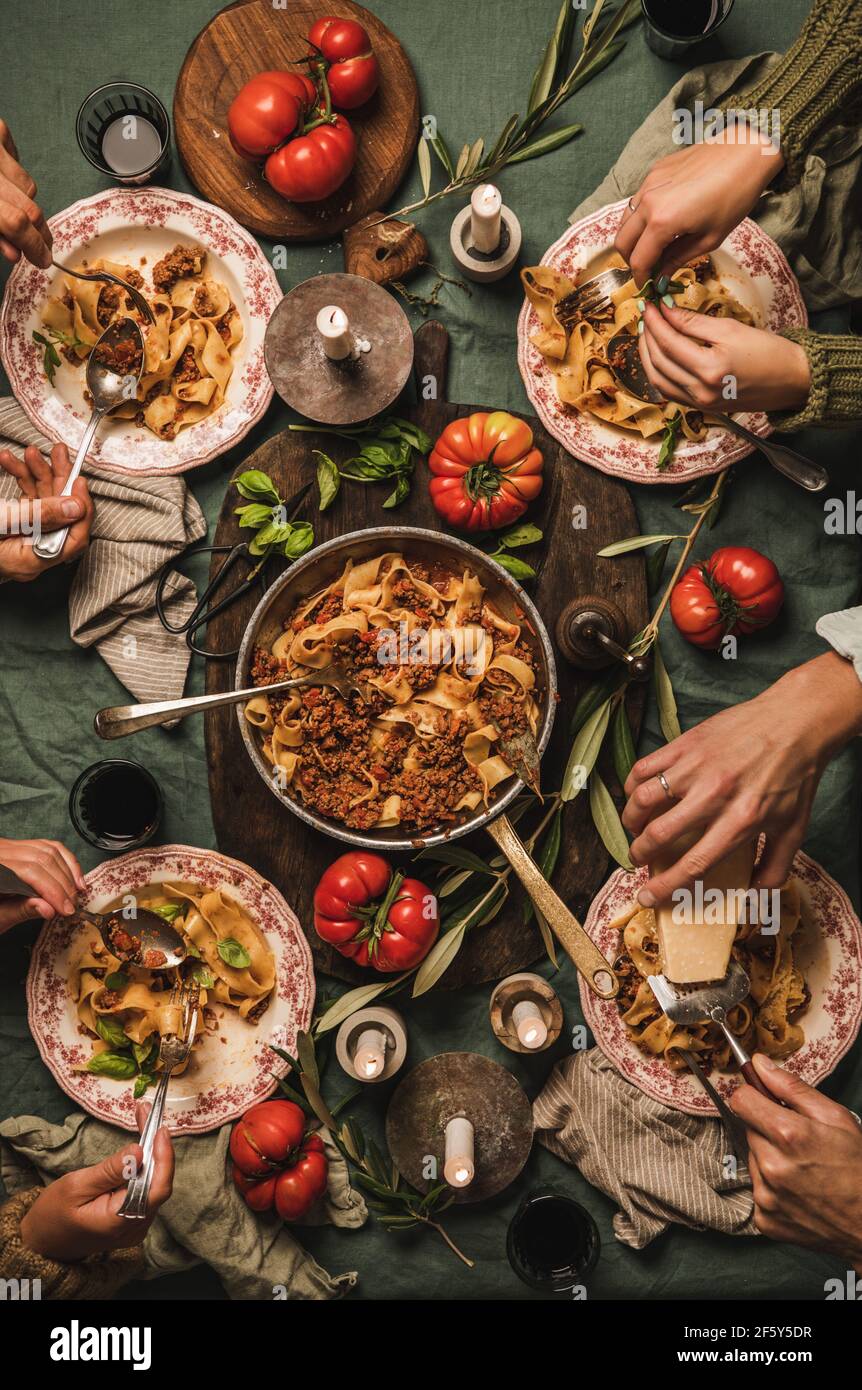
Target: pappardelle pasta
[[576, 349], [766, 1021], [446, 676], [187, 352], [127, 1009]]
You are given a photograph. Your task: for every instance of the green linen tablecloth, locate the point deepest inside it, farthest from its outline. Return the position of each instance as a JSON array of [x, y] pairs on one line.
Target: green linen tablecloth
[[474, 62]]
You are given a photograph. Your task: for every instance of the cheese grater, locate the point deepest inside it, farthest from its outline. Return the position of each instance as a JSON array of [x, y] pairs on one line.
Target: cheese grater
[[685, 1004]]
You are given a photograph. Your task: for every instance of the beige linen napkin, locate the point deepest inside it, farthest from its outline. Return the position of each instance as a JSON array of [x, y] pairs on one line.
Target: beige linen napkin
[[659, 1165], [205, 1220], [815, 221], [140, 523]]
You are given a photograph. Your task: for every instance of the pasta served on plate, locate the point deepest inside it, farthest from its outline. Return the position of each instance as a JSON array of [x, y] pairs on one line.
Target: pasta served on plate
[[766, 1021], [576, 349], [127, 1008], [446, 676], [187, 352]]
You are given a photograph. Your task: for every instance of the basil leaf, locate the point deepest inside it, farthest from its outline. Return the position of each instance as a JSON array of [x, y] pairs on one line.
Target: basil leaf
[[255, 514], [145, 1053], [257, 487], [192, 950], [142, 1084], [328, 479], [234, 954], [116, 980], [203, 975], [117, 1064], [111, 1031], [301, 538], [525, 534], [170, 911], [517, 568], [401, 493]]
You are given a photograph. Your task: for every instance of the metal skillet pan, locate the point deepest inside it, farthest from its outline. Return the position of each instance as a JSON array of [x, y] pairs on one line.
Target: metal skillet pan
[[314, 572]]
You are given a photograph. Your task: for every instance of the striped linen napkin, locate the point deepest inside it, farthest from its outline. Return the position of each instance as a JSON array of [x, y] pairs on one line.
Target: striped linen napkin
[[659, 1165], [139, 524]]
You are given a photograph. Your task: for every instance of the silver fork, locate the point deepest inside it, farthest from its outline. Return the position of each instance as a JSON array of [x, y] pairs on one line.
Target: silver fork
[[120, 720], [135, 295], [173, 1051], [592, 300]]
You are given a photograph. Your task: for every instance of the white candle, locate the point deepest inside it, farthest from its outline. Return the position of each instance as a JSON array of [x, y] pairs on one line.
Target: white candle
[[529, 1024], [369, 1055], [458, 1166], [485, 205], [333, 326]]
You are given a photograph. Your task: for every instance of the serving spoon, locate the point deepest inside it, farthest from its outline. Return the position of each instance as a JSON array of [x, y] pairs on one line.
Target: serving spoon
[[108, 390], [625, 363], [148, 931]]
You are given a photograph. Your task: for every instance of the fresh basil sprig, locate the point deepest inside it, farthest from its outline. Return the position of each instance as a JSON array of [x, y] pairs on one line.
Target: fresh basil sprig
[[386, 454], [265, 514], [669, 440], [524, 533], [50, 355]]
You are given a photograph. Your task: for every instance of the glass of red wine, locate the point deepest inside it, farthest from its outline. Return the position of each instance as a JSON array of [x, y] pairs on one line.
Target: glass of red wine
[[672, 26], [116, 805], [553, 1242]]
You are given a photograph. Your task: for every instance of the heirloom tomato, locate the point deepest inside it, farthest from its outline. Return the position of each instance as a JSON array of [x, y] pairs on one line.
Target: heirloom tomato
[[486, 471], [267, 110], [265, 1135], [737, 590], [311, 166], [374, 916], [275, 1163], [352, 69]]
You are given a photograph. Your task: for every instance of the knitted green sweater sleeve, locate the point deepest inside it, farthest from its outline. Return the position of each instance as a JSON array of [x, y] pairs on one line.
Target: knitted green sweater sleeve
[[815, 80], [835, 397]]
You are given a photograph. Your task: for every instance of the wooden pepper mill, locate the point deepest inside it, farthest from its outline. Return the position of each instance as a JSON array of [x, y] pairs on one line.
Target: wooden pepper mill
[[592, 633]]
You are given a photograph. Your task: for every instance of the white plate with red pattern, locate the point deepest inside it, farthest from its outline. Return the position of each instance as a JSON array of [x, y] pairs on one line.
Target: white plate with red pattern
[[235, 1067], [755, 271], [137, 227], [828, 947]]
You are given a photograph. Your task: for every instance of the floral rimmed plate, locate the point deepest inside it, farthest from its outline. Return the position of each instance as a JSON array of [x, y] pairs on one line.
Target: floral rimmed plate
[[755, 271], [828, 947], [133, 226], [235, 1067]]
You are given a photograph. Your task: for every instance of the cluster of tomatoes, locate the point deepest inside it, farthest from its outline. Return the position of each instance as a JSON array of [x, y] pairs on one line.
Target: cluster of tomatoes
[[374, 916], [287, 118]]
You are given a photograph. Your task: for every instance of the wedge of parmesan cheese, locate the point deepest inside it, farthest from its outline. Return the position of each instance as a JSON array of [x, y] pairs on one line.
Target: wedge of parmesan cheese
[[696, 933]]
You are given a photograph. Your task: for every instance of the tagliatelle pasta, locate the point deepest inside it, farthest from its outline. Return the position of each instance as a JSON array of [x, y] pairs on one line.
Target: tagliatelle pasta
[[446, 676], [576, 349], [127, 1008], [766, 1021], [187, 352]]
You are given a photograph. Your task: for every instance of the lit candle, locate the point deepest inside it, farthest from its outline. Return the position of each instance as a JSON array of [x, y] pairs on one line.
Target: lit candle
[[485, 205], [529, 1024], [333, 326], [458, 1167], [369, 1055]]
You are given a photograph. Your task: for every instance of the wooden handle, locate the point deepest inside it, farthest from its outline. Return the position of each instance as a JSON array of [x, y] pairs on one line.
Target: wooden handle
[[566, 927]]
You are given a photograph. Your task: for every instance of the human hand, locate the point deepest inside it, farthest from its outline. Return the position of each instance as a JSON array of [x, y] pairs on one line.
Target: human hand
[[693, 359], [76, 1216], [41, 483], [22, 222], [805, 1159], [754, 767], [691, 199], [51, 870]]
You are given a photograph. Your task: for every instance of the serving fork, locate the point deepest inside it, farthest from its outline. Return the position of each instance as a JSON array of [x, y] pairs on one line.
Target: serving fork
[[120, 720], [173, 1051], [592, 299], [135, 295]]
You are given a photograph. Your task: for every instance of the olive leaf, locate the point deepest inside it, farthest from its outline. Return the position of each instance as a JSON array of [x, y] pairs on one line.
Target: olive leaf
[[424, 157], [585, 750], [547, 856], [667, 713], [607, 822], [352, 1000], [547, 938], [474, 157], [655, 565], [549, 142], [457, 855], [233, 953], [462, 161], [622, 743], [635, 543], [441, 149], [503, 138], [439, 958], [306, 1056], [454, 882]]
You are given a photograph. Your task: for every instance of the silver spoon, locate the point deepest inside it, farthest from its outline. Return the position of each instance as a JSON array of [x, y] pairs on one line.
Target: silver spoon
[[625, 362], [108, 390], [147, 932], [135, 295]]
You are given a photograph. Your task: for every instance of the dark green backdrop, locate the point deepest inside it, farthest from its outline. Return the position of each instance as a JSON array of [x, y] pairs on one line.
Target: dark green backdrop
[[474, 62]]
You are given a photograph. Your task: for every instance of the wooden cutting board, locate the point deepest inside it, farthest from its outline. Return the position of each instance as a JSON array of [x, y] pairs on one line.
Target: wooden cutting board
[[252, 825], [253, 36]]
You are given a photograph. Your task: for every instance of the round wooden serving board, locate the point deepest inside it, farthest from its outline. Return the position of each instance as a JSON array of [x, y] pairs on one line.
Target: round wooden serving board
[[254, 36], [252, 825]]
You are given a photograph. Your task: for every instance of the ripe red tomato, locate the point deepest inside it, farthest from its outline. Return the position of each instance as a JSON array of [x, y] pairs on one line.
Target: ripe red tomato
[[486, 471], [294, 1187], [313, 166], [737, 590], [373, 916], [265, 1136], [267, 110], [353, 72]]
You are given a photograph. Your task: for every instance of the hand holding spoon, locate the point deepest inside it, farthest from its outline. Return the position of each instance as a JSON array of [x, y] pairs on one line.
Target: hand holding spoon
[[625, 362], [109, 387]]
